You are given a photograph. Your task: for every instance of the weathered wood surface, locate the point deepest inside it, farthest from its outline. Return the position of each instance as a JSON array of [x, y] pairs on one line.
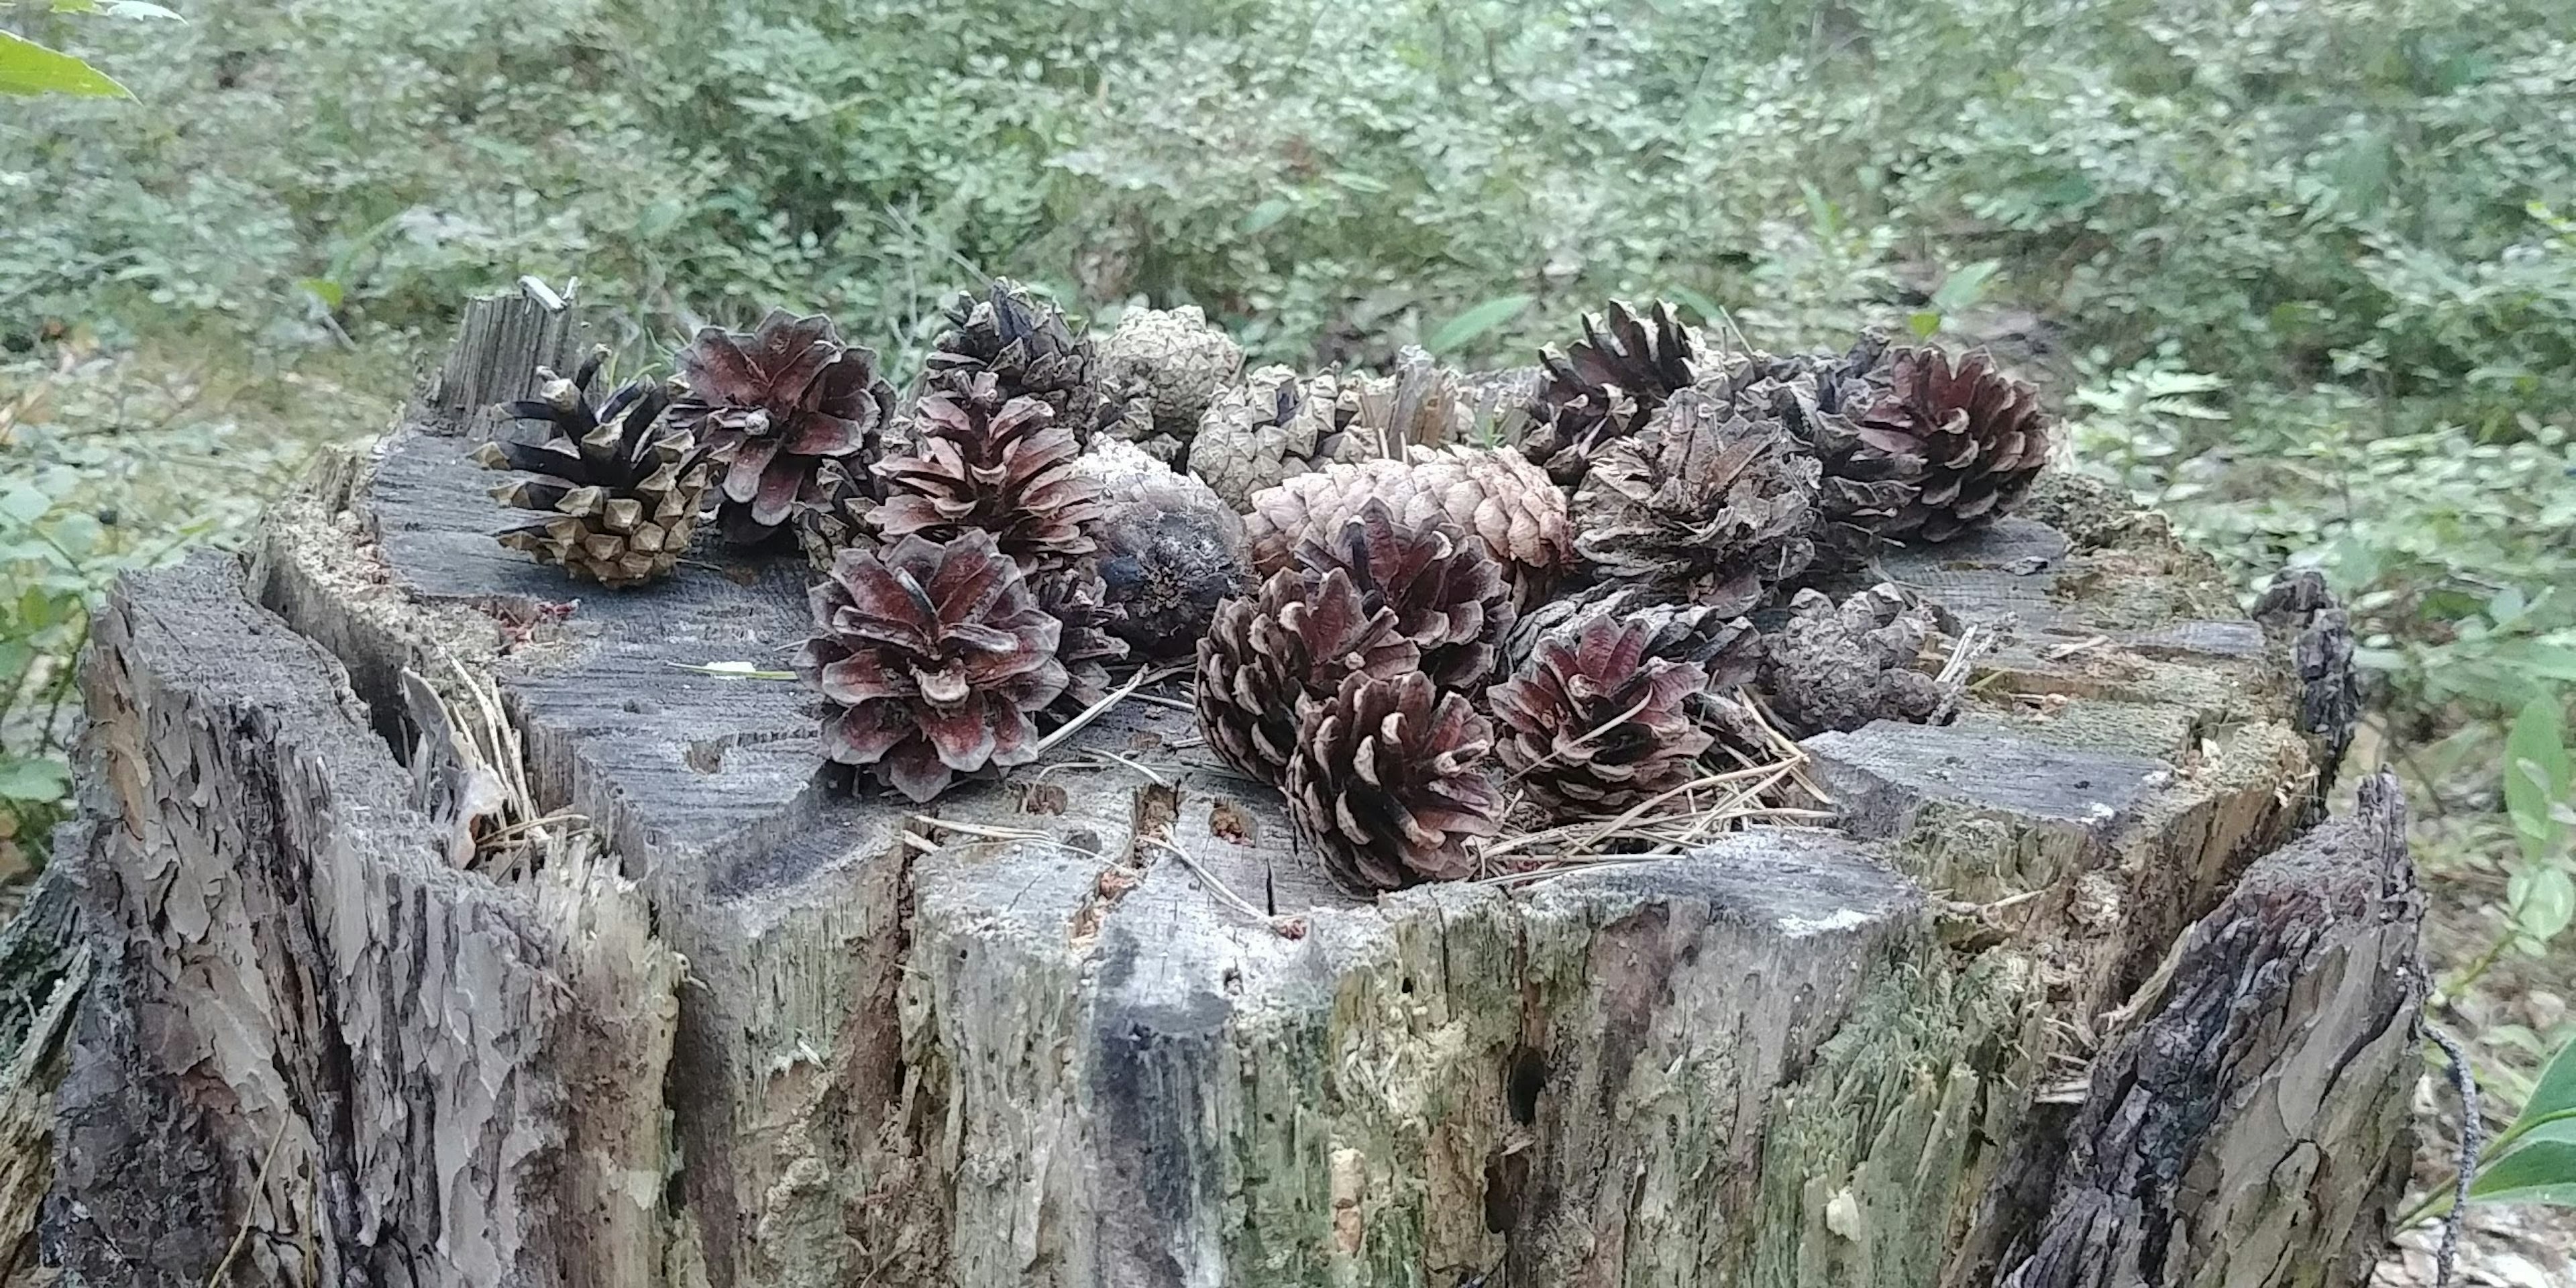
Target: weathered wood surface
[[788, 1037]]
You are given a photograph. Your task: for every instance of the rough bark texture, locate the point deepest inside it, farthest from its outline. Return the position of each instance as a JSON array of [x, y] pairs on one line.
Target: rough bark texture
[[1914, 1050]]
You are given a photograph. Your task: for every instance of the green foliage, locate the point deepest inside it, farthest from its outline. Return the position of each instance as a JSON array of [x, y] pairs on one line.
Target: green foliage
[[27, 68], [2533, 1160]]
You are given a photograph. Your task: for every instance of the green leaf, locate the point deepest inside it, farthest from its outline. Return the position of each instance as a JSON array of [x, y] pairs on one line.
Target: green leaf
[[2544, 902], [1709, 311], [323, 289], [1267, 214], [1923, 324], [29, 68], [2542, 1171], [1964, 287], [41, 781], [24, 503], [1465, 327], [139, 9], [2553, 1094], [2536, 774]]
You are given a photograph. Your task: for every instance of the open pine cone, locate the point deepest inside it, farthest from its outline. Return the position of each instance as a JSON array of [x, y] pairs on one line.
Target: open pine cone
[[1606, 712], [1172, 362], [1025, 345], [1449, 597], [1488, 493], [772, 404], [1863, 492], [1271, 427], [1005, 467], [1389, 780], [1299, 637], [833, 514], [1840, 666], [1713, 503], [619, 486], [1606, 385], [1979, 437], [934, 660], [1076, 597]]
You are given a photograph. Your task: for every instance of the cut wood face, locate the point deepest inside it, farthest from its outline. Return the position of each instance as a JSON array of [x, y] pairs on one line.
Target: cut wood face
[[1099, 1022]]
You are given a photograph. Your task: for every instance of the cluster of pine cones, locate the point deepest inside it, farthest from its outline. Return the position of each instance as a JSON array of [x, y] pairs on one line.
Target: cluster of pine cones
[[1414, 597], [1564, 619]]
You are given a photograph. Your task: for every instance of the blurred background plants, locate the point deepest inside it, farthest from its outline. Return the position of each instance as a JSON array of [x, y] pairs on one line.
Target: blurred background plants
[[2302, 274]]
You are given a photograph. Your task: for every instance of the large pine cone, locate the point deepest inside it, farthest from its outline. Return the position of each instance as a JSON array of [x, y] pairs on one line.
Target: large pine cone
[[1979, 436], [1864, 492], [1606, 712], [620, 486], [1449, 597], [772, 404], [1076, 597], [1005, 467], [1025, 345], [934, 659], [1606, 385], [1840, 666], [1488, 493], [1173, 362], [1390, 779], [1713, 503], [1298, 638], [1271, 427]]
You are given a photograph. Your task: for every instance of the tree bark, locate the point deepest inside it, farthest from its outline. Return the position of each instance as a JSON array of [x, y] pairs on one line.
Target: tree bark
[[2038, 1011]]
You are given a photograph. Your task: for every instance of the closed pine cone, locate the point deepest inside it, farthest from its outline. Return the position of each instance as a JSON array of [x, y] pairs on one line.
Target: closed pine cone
[[1390, 779], [1488, 493], [933, 659], [1714, 503], [1299, 637], [1449, 597], [1840, 666], [619, 486], [1272, 426], [1172, 362]]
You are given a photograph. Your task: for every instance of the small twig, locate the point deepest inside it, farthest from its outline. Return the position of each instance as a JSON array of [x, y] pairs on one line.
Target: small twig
[[2472, 1142], [241, 1237], [1114, 697], [1158, 779]]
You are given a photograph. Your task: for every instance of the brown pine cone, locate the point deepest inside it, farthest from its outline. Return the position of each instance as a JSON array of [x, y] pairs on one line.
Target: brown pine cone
[[1025, 344], [1605, 386], [1171, 550], [933, 660], [1863, 492], [772, 404], [1076, 597], [1389, 780], [1840, 666], [833, 514], [1448, 595], [1299, 637], [1714, 503], [1597, 721], [620, 487], [1419, 404], [1980, 438], [1488, 493], [1005, 467]]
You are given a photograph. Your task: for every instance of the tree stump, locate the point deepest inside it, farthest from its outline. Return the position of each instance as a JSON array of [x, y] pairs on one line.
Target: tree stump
[[2075, 993]]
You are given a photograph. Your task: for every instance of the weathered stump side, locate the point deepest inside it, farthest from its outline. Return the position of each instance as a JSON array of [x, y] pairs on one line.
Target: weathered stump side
[[1015, 1038]]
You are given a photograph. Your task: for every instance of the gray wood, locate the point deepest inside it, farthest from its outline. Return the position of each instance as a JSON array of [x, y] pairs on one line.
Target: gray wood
[[1100, 1022], [501, 342]]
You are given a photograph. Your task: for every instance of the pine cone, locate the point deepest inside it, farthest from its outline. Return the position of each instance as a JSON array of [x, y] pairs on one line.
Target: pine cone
[[1598, 720], [1005, 467], [1863, 492], [833, 514], [933, 658], [1417, 405], [1713, 503], [1489, 493], [1270, 427], [1605, 386], [621, 487], [1170, 549], [1176, 362], [1076, 597], [1298, 638], [1841, 666], [771, 405], [1026, 346], [1979, 436], [1449, 597], [1389, 779]]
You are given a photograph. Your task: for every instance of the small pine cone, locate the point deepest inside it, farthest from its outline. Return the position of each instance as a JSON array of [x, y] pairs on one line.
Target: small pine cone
[[1979, 436], [933, 659], [1841, 666], [1389, 780], [1175, 361], [1005, 467], [833, 515], [1271, 427], [620, 486], [1605, 386], [1599, 720], [1076, 597], [1713, 503], [1026, 346], [1449, 597], [1863, 492], [1298, 638], [1488, 493], [772, 404], [1171, 550]]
